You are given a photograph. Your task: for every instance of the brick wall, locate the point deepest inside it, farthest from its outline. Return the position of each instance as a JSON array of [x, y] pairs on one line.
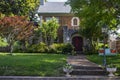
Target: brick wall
[[118, 46], [63, 21]]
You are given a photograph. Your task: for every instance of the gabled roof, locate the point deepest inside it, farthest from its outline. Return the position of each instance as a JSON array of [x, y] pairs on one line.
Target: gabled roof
[[54, 7]]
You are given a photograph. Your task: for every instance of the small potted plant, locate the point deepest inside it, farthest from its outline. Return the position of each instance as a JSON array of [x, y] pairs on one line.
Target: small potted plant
[[111, 69], [68, 69]]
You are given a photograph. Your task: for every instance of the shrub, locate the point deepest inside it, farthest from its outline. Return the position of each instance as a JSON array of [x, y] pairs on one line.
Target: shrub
[[56, 47], [20, 46], [43, 48], [67, 48], [40, 47], [17, 47], [61, 48]]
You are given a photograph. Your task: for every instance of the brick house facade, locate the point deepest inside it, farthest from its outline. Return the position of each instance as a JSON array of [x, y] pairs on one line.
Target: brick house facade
[[69, 24]]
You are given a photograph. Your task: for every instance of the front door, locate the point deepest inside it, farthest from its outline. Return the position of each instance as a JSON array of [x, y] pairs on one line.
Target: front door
[[77, 43]]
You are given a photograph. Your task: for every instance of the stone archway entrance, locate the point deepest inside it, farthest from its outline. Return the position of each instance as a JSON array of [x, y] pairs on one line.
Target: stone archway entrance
[[77, 42]]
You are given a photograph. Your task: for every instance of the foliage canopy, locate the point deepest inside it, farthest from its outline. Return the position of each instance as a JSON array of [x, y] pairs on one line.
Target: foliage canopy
[[18, 7], [15, 28], [48, 30], [94, 14]]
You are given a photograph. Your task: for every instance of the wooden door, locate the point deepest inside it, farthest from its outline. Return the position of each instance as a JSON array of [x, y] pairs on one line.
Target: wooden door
[[77, 43]]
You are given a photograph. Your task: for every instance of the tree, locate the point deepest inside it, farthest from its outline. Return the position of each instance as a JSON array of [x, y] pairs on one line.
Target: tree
[[15, 28], [18, 7], [48, 30], [94, 14]]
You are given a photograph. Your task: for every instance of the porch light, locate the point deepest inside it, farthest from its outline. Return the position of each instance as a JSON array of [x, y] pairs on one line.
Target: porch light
[[37, 18], [34, 17], [68, 38]]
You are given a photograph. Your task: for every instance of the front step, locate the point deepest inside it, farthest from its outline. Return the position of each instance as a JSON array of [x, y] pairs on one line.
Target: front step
[[88, 70], [86, 67]]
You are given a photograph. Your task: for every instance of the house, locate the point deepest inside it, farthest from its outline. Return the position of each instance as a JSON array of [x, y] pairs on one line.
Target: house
[[69, 23]]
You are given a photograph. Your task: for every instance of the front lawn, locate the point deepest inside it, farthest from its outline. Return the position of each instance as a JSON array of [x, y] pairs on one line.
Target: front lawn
[[110, 59], [31, 64]]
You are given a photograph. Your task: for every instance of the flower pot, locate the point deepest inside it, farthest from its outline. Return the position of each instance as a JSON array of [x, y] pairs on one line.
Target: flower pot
[[67, 71], [111, 71]]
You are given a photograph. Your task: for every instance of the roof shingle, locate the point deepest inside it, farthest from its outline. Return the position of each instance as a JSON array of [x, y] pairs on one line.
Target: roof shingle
[[54, 7]]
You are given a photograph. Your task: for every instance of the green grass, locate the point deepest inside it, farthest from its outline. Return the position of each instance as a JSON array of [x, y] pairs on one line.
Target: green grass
[[110, 59], [32, 64]]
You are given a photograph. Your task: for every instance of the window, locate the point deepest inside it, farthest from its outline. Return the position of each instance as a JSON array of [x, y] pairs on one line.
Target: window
[[75, 21], [48, 18], [57, 19]]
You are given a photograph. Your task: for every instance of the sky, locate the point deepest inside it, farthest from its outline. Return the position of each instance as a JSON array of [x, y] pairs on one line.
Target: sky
[[56, 0]]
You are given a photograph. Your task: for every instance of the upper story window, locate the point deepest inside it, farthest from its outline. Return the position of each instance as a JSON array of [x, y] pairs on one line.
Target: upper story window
[[75, 21], [49, 18]]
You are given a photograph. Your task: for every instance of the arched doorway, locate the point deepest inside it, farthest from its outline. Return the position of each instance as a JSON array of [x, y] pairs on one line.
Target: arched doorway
[[77, 42]]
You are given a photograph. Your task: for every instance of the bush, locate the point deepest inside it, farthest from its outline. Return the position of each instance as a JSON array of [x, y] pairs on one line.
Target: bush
[[67, 48], [61, 48], [54, 48], [57, 48], [17, 47], [38, 48]]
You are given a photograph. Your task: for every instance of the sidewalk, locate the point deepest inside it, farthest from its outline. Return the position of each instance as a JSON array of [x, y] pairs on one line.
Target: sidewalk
[[80, 60], [84, 67], [58, 78]]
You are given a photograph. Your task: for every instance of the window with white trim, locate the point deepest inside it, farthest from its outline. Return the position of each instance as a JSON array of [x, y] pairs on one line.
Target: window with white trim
[[49, 18], [75, 21]]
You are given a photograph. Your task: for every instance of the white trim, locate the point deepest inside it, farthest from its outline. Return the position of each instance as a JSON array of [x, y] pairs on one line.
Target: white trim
[[73, 20]]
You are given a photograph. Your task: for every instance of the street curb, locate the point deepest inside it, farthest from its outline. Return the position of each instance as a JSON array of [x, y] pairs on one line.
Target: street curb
[[58, 78]]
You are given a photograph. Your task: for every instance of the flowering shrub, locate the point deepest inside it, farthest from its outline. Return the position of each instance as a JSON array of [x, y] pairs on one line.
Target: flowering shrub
[[68, 66], [111, 66]]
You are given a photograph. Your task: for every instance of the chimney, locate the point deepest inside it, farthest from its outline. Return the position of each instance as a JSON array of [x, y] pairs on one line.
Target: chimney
[[42, 2]]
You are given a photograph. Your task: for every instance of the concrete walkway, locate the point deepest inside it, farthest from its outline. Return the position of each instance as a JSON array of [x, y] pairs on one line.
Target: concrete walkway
[[82, 66], [80, 60]]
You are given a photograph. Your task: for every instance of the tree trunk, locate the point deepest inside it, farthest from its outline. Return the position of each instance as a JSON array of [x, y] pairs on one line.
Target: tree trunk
[[11, 49], [23, 47], [46, 42], [92, 46]]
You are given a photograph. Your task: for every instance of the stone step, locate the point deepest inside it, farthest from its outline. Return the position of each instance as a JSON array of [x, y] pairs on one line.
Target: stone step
[[88, 72], [87, 67]]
